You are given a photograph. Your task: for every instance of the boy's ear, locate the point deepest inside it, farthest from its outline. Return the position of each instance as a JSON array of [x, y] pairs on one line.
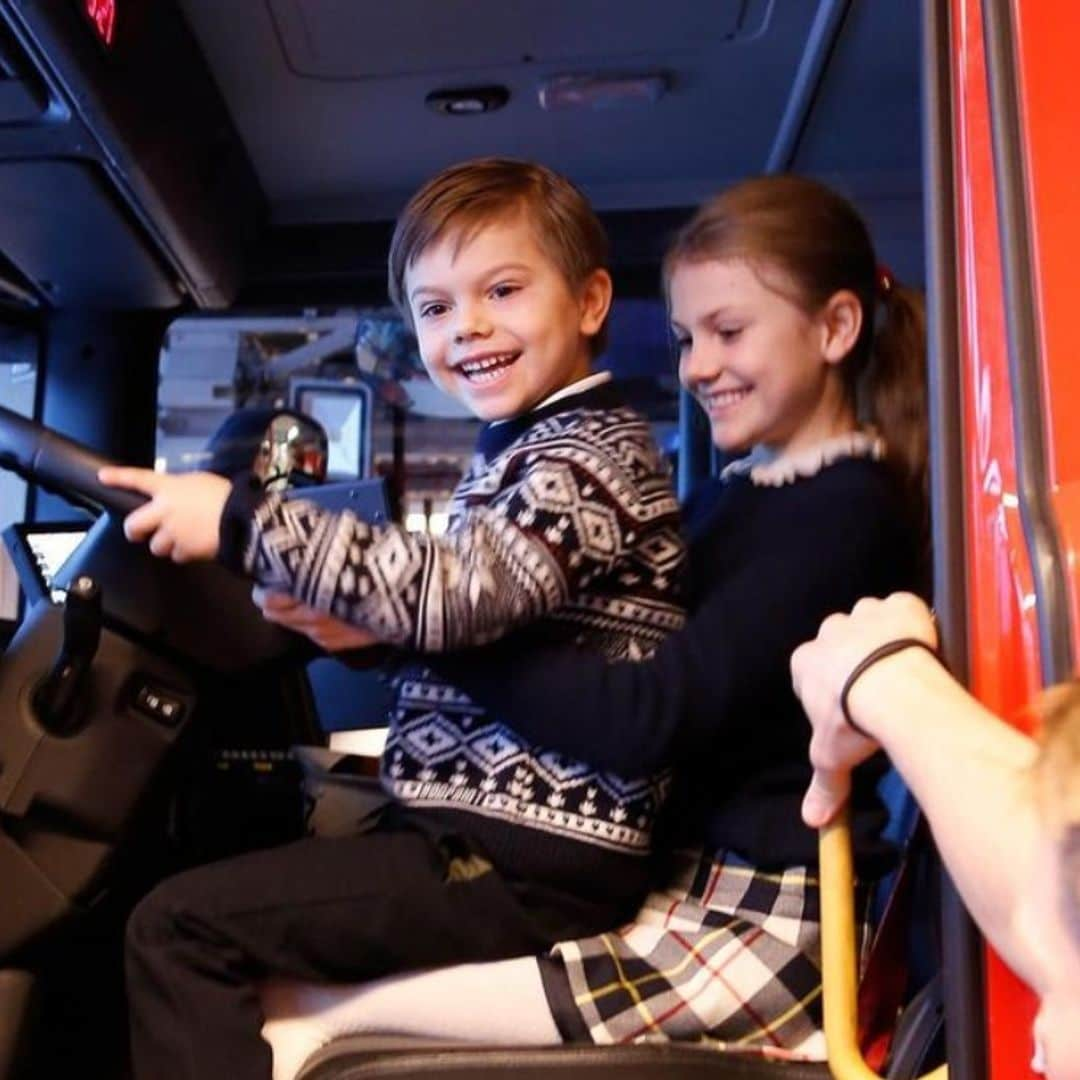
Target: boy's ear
[[841, 321], [595, 302]]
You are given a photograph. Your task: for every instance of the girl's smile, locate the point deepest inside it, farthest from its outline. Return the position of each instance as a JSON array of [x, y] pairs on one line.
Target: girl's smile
[[764, 371]]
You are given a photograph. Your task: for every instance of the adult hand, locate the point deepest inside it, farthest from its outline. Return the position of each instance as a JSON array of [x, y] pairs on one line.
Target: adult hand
[[328, 633], [182, 518], [819, 670]]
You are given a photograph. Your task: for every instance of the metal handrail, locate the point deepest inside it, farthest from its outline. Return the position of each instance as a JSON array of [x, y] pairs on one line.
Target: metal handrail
[[839, 972]]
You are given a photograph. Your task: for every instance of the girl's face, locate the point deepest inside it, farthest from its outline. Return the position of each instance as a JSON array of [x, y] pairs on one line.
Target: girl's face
[[763, 370]]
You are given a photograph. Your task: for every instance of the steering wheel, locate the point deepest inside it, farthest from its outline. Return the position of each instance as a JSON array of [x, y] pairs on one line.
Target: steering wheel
[[199, 611], [92, 702], [54, 461]]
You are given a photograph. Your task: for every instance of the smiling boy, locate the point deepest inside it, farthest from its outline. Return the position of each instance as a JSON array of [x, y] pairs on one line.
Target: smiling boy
[[565, 523]]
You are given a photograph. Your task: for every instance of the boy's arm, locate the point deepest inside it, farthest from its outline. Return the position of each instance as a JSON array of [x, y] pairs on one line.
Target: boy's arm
[[554, 526]]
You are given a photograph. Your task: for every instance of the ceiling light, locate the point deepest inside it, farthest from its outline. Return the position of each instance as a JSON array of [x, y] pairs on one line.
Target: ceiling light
[[602, 91]]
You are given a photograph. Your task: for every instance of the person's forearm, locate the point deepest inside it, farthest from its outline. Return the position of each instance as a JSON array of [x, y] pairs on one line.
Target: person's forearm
[[619, 716], [411, 589], [969, 772]]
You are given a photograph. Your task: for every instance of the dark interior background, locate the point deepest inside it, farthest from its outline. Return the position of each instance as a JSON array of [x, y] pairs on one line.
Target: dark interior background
[[249, 157]]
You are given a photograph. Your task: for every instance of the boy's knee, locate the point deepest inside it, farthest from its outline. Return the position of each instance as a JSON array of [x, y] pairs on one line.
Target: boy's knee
[[162, 915], [152, 920]]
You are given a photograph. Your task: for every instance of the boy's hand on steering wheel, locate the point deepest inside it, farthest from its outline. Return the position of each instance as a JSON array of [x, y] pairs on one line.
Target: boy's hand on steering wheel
[[332, 635], [182, 518], [819, 672]]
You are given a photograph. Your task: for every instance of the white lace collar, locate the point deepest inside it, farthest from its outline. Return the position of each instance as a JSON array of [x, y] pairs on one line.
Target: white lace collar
[[766, 468]]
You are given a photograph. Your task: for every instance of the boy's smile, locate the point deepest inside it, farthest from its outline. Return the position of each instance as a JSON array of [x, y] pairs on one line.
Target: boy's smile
[[499, 326]]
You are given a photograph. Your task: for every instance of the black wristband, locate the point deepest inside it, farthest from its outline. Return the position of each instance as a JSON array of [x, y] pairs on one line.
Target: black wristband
[[880, 653]]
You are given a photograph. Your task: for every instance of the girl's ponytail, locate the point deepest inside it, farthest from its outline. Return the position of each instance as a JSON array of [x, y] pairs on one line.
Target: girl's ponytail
[[893, 390]]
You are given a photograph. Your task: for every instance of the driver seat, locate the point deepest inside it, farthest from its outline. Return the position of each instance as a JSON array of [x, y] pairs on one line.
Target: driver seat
[[371, 1057], [407, 1056]]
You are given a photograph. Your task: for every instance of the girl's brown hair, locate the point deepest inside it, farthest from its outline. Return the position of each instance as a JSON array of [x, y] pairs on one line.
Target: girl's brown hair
[[818, 241]]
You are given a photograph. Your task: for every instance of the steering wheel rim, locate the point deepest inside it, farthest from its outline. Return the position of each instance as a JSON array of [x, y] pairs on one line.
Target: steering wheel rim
[[68, 468]]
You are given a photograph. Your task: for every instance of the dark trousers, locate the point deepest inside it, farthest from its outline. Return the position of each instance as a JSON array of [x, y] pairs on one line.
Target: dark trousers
[[402, 897]]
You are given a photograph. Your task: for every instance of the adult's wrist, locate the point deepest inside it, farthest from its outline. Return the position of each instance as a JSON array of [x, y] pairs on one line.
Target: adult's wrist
[[892, 686]]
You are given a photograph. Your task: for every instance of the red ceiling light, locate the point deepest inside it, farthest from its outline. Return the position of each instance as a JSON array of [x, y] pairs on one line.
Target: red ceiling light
[[102, 15]]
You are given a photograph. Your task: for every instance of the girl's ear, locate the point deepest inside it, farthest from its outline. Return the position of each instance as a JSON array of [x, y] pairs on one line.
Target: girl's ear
[[595, 301], [841, 320]]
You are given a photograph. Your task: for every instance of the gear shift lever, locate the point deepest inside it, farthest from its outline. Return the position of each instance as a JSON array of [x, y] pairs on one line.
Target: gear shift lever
[[56, 700]]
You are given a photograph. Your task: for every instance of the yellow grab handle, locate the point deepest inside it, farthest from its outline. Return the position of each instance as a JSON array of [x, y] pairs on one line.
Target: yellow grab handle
[[839, 974]]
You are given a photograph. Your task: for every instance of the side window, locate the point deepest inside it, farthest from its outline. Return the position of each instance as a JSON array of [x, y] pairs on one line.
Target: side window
[[18, 386], [357, 371]]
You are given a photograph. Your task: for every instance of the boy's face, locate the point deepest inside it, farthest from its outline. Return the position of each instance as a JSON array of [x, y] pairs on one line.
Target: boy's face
[[499, 326]]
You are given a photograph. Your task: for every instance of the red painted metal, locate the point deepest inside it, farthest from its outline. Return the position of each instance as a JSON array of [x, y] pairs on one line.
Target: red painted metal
[[1047, 32], [102, 13], [1002, 631]]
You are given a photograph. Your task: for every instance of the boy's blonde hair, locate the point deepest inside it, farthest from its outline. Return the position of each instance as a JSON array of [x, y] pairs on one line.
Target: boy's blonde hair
[[464, 198]]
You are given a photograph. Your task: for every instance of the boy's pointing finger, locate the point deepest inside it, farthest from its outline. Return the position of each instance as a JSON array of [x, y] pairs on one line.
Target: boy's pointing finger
[[145, 481]]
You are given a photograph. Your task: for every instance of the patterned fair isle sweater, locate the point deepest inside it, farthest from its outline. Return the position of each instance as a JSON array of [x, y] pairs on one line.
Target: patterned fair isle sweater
[[565, 522]]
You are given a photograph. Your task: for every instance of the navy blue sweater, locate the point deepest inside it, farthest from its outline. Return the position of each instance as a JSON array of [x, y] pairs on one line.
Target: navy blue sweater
[[769, 564]]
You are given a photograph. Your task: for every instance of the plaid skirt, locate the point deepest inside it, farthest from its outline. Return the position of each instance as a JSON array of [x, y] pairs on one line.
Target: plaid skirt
[[726, 954]]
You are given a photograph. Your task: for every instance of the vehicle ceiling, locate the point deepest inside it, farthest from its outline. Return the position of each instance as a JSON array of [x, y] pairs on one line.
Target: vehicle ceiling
[[329, 99], [326, 102], [328, 95]]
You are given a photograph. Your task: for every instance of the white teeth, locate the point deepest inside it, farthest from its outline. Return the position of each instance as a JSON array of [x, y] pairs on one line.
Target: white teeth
[[486, 368], [481, 376], [722, 398]]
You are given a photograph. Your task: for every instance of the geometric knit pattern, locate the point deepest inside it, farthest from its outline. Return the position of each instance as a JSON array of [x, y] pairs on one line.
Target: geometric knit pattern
[[580, 504], [573, 529]]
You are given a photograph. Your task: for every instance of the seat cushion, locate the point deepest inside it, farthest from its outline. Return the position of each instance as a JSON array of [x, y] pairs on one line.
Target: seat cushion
[[370, 1057]]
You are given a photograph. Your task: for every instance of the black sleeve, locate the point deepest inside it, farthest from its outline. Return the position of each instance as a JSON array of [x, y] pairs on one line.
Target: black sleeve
[[236, 517], [704, 682]]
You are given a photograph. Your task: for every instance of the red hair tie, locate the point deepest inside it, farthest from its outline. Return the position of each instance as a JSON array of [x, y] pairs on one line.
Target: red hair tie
[[885, 281]]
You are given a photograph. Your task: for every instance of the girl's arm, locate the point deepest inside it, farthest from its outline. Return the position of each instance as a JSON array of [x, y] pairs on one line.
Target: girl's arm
[[714, 676]]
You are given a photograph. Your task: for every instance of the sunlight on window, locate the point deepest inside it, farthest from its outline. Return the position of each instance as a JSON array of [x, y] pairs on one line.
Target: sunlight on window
[[18, 384]]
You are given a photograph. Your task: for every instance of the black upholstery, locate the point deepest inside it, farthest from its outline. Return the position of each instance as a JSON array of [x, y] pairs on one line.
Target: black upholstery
[[364, 1057], [17, 1002]]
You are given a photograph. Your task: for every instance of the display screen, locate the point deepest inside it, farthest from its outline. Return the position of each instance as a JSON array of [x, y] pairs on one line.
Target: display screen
[[345, 412], [51, 550], [39, 552]]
